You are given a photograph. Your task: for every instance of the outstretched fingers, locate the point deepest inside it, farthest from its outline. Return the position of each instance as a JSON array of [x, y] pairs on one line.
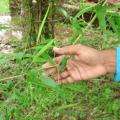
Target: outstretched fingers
[[68, 50]]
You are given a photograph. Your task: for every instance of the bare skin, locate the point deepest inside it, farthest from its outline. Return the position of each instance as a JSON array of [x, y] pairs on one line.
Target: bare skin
[[87, 63]]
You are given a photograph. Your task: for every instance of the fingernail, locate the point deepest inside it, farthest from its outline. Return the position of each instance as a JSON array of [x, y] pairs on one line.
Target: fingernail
[[56, 49], [44, 66]]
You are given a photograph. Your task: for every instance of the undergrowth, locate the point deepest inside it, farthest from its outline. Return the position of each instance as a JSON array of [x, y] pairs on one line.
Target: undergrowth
[[26, 94], [4, 6]]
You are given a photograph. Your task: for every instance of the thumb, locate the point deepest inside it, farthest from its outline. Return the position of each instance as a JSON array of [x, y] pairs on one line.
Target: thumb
[[68, 50]]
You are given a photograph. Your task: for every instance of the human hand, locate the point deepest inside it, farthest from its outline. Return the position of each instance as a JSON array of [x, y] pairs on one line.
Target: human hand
[[85, 64]]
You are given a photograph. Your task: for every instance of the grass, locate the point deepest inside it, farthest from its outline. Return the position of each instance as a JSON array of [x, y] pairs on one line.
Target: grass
[[29, 97], [4, 6]]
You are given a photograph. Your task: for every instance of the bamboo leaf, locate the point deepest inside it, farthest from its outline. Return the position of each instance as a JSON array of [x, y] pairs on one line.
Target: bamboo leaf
[[86, 9], [48, 81], [32, 76], [43, 50], [101, 13], [63, 63], [48, 59], [63, 11], [42, 24]]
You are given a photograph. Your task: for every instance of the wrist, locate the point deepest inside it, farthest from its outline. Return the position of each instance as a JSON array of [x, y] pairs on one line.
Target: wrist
[[108, 60]]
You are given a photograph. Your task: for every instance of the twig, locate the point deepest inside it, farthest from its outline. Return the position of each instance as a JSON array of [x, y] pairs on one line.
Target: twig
[[13, 77], [66, 106], [21, 75]]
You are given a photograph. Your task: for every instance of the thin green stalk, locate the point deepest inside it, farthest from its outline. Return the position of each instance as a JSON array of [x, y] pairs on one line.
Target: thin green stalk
[[21, 75], [42, 24]]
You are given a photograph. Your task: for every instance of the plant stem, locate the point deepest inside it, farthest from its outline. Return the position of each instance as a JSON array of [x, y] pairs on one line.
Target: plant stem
[[66, 106], [42, 24], [21, 75]]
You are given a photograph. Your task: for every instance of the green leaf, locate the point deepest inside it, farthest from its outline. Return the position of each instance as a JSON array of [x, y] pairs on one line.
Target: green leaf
[[48, 81], [117, 20], [76, 29], [32, 76], [49, 59], [19, 57], [112, 23], [43, 22], [43, 50], [2, 61], [76, 24], [63, 11], [63, 63], [86, 9], [101, 13]]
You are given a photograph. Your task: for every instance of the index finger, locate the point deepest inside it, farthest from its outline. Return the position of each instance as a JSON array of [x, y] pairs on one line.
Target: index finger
[[68, 50]]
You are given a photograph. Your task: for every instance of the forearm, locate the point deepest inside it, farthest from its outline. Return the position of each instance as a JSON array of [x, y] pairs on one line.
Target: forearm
[[109, 60]]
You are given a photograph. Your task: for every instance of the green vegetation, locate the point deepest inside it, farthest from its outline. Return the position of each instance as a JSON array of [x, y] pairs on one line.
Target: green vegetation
[[26, 94], [4, 6]]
